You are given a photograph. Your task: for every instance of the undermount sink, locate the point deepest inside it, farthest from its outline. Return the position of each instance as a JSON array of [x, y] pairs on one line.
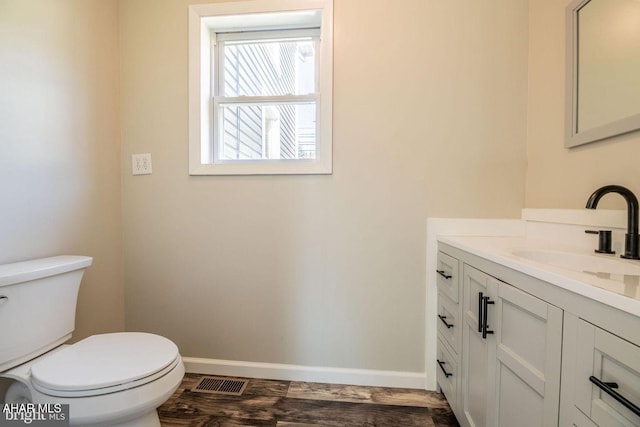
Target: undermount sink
[[599, 265]]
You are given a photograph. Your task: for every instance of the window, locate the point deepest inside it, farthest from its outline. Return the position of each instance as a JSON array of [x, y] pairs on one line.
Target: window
[[265, 95], [260, 87]]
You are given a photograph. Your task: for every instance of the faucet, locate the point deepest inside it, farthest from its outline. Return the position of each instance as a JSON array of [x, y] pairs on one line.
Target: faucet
[[631, 246]]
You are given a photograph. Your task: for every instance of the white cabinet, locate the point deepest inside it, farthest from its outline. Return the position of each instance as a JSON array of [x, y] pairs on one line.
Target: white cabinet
[[519, 351], [499, 349], [603, 371], [510, 355]]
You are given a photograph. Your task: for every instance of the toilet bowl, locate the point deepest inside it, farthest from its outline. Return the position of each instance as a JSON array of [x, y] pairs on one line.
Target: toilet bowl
[[116, 379]]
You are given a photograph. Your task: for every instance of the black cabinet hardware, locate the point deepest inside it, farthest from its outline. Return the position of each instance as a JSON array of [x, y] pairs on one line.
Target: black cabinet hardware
[[480, 299], [609, 389], [441, 364], [485, 309], [443, 274], [444, 320]]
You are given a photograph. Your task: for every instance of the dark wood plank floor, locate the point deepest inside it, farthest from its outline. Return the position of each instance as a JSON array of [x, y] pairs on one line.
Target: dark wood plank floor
[[299, 404]]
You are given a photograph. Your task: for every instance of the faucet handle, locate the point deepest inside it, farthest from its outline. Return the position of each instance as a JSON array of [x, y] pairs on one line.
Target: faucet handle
[[604, 241]]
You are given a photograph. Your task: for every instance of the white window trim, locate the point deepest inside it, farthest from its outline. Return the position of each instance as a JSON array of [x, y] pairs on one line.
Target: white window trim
[[201, 91]]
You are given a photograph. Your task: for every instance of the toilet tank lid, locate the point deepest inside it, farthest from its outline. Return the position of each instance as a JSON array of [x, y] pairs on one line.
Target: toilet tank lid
[[25, 271]]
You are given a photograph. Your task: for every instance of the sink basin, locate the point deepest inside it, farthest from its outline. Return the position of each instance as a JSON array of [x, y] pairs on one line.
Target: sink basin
[[601, 266], [608, 272]]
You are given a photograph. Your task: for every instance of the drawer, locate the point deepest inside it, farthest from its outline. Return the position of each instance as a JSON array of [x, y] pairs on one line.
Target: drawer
[[449, 324], [447, 276], [581, 420], [447, 374], [602, 356]]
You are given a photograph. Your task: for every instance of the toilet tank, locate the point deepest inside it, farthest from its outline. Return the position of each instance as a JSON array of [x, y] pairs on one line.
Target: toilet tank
[[37, 306]]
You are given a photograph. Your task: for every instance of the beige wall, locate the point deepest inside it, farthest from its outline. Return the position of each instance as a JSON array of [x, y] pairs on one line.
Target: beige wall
[[558, 177], [316, 270], [60, 145], [429, 120]]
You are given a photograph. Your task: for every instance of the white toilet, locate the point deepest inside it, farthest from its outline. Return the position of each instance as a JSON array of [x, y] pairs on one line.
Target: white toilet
[[114, 379]]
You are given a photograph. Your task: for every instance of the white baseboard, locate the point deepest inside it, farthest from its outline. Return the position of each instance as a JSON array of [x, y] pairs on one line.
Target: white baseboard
[[277, 371]]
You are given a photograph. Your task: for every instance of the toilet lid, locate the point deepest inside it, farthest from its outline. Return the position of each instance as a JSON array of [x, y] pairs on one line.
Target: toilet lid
[[104, 361]]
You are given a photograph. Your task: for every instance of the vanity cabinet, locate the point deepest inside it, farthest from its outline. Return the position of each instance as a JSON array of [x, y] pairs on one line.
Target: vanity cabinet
[[524, 352], [499, 349]]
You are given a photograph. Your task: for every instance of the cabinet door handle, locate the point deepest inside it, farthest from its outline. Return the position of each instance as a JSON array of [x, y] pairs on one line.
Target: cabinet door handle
[[480, 300], [609, 389], [441, 364], [444, 320], [485, 328], [443, 274]]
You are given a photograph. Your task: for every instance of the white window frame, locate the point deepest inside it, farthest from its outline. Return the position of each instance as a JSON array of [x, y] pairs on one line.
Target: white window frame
[[254, 15]]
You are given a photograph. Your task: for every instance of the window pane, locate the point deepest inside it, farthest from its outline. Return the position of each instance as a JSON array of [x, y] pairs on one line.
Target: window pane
[[268, 68], [268, 131]]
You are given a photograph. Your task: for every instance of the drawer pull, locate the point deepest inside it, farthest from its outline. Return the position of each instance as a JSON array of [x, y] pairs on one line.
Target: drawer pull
[[444, 320], [609, 389], [446, 374], [443, 274]]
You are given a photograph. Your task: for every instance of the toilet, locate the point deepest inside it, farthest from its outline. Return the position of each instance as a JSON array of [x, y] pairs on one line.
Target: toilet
[[116, 379]]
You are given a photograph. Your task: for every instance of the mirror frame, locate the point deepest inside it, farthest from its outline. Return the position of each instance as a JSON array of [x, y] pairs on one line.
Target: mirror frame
[[574, 138]]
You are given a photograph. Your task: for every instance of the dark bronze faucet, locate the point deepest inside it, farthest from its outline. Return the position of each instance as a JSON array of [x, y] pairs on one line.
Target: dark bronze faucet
[[631, 238]]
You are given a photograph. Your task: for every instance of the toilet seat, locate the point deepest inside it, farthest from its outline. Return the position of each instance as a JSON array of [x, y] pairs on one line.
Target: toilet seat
[[103, 364]]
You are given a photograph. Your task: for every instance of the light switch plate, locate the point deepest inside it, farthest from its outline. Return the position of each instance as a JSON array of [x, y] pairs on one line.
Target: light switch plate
[[141, 164]]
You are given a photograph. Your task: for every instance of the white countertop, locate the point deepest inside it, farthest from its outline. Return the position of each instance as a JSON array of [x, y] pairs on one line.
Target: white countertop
[[625, 297]]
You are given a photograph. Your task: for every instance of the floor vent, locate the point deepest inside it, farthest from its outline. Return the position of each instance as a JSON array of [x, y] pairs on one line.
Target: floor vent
[[221, 385]]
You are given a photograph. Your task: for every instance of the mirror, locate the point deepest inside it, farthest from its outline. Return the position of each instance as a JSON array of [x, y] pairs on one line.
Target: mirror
[[603, 70]]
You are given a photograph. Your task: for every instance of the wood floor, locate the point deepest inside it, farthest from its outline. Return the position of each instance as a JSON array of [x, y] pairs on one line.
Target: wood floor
[[299, 404]]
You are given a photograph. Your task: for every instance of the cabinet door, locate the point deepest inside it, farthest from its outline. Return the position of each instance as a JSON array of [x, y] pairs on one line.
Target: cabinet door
[[615, 363], [475, 350], [526, 372]]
